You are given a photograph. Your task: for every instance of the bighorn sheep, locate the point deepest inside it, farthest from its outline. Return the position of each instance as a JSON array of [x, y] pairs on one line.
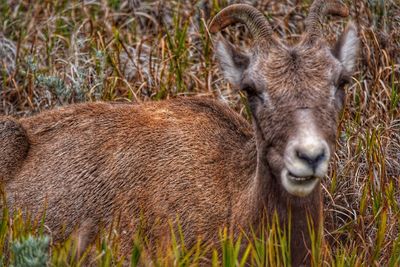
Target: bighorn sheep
[[190, 157]]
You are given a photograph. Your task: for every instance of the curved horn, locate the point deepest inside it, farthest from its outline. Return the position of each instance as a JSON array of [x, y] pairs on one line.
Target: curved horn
[[318, 10], [246, 14]]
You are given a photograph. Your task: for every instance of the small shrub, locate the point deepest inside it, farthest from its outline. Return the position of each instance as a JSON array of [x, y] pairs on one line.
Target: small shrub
[[30, 252]]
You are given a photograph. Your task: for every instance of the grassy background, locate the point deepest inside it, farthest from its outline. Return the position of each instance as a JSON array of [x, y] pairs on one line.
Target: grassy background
[[59, 52]]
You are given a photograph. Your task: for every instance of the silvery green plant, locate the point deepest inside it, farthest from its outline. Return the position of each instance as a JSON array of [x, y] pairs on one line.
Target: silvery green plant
[[7, 56], [30, 252], [54, 84], [98, 89]]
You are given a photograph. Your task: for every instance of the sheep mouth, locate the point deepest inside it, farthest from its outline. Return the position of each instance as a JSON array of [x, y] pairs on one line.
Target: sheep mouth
[[300, 179], [299, 186]]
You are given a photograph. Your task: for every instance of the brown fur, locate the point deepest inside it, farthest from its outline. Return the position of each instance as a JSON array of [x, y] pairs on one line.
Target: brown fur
[[14, 146], [90, 162]]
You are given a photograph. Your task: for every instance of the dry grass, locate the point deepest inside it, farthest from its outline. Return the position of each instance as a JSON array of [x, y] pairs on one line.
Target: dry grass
[[59, 52]]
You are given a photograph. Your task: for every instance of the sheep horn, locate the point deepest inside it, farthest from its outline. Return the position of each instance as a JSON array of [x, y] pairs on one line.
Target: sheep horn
[[318, 10], [246, 14]]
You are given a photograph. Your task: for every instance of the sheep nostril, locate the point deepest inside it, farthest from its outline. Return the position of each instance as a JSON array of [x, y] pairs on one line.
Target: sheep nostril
[[311, 159]]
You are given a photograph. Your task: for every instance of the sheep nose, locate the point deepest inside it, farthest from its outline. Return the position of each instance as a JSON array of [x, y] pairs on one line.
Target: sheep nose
[[307, 157], [312, 155]]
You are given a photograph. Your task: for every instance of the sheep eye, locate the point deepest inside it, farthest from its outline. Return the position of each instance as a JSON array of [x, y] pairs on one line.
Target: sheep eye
[[343, 81], [250, 89], [340, 93]]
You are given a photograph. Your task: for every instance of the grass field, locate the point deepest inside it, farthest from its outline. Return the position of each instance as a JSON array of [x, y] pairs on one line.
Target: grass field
[[58, 52]]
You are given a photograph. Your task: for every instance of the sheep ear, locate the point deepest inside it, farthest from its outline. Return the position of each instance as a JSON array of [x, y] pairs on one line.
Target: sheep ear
[[346, 48], [232, 61]]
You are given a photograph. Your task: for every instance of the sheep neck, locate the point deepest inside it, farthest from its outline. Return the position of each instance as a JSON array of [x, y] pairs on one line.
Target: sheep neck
[[265, 196]]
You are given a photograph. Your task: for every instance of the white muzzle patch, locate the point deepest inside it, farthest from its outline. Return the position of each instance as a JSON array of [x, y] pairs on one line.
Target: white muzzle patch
[[306, 158]]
